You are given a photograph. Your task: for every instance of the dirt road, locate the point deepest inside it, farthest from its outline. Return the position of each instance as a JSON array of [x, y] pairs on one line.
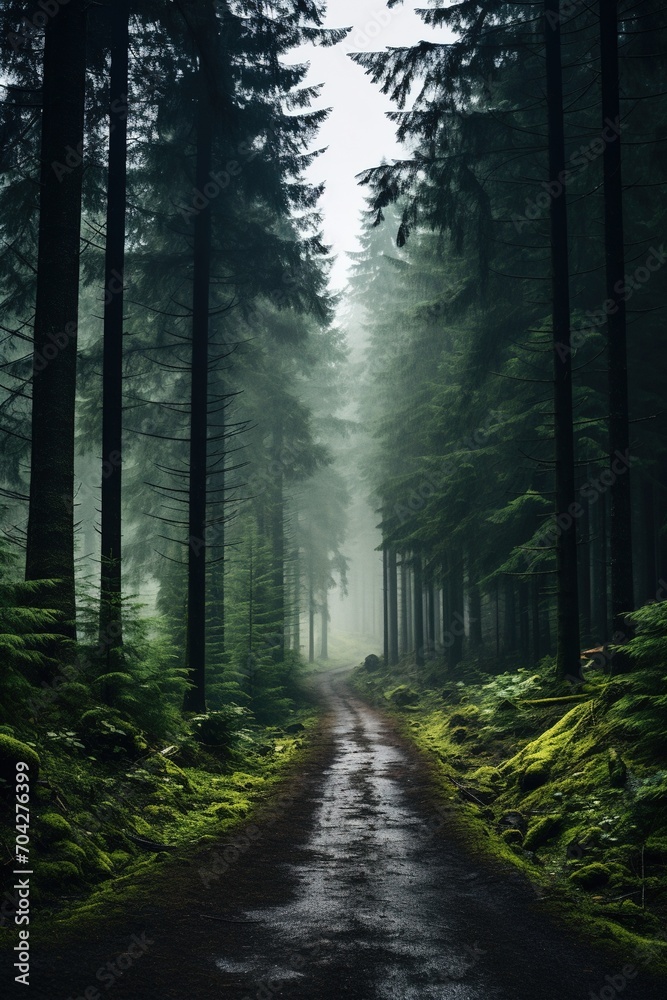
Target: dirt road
[[352, 889]]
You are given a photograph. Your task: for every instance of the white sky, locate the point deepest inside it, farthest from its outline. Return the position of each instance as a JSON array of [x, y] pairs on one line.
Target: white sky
[[357, 134]]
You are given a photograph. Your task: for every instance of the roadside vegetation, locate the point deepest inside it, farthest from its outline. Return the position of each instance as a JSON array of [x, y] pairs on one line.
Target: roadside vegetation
[[568, 782], [115, 792]]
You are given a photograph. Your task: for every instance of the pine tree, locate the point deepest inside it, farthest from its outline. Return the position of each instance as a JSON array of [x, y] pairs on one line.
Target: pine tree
[[50, 543], [112, 378]]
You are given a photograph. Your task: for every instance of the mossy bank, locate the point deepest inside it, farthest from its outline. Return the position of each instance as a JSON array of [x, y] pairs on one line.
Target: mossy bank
[[568, 785], [109, 806]]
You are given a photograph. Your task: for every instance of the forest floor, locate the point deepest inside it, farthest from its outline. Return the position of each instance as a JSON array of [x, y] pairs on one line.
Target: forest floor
[[355, 882]]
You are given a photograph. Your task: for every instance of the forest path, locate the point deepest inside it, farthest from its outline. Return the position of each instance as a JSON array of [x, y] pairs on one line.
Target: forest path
[[353, 889]]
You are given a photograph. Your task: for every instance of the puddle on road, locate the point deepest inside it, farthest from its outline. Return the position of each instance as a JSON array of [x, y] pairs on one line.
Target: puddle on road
[[366, 894]]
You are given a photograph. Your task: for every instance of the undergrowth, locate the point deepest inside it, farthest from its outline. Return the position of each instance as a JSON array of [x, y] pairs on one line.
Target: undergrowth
[[110, 799], [568, 784]]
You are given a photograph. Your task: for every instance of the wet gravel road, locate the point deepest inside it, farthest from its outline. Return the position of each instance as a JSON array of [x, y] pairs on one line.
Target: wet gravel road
[[384, 907], [356, 888]]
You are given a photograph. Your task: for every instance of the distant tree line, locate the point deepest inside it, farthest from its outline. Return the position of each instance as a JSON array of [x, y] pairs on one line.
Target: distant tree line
[[515, 385]]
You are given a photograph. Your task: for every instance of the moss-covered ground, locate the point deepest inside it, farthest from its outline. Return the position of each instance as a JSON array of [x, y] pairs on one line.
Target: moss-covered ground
[[109, 806], [569, 785]]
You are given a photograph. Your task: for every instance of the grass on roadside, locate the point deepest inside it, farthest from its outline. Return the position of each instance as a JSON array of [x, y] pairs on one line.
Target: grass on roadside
[[571, 787]]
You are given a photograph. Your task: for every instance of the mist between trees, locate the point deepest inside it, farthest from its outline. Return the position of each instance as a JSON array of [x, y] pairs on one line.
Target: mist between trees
[[225, 423], [173, 377], [487, 282]]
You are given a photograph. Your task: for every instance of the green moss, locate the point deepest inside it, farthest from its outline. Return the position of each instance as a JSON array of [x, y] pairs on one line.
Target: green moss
[[592, 876], [249, 781], [12, 751], [51, 826], [464, 716], [402, 696], [512, 836], [582, 810], [67, 850], [631, 915], [618, 769], [161, 813], [541, 831], [98, 862], [104, 731], [655, 850], [56, 873], [226, 810], [534, 776], [119, 858]]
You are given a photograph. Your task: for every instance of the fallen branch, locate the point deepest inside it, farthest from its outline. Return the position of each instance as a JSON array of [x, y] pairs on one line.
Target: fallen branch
[[556, 701], [465, 791], [149, 845]]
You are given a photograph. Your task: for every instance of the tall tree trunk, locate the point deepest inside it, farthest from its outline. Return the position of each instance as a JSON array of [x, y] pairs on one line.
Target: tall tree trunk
[[456, 609], [250, 663], [524, 620], [297, 594], [568, 644], [278, 545], [311, 603], [215, 623], [430, 619], [325, 626], [409, 606], [535, 628], [650, 567], [620, 527], [598, 520], [475, 603], [385, 604], [195, 699], [111, 633], [584, 562], [509, 617], [661, 533], [418, 615], [393, 606], [50, 542], [404, 644]]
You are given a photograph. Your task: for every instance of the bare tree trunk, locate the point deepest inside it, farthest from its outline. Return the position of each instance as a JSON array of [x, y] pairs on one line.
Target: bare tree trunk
[[393, 606], [111, 633], [385, 604], [297, 593], [50, 544], [524, 621], [311, 607], [509, 617], [475, 604], [325, 626], [430, 619], [599, 619], [405, 645], [650, 567], [195, 699], [620, 527], [568, 645], [456, 608], [278, 544], [584, 562], [535, 620], [418, 616]]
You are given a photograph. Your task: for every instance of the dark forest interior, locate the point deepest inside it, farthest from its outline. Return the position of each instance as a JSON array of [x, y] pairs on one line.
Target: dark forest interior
[[333, 578]]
